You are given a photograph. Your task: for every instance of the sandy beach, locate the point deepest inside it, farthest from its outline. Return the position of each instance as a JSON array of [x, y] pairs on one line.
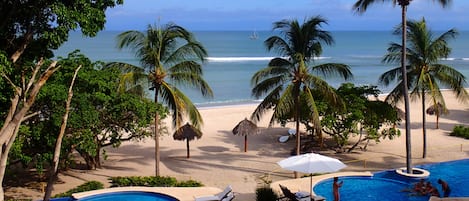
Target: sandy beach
[[218, 159]]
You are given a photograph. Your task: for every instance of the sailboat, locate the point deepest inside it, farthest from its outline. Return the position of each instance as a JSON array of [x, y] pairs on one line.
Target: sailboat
[[254, 36]]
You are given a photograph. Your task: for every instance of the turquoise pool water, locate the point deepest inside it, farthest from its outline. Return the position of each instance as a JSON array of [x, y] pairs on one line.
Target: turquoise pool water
[[387, 185], [129, 196]]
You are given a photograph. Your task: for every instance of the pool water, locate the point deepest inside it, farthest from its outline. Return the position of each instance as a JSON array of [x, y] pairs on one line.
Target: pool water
[[129, 196], [367, 188], [387, 185]]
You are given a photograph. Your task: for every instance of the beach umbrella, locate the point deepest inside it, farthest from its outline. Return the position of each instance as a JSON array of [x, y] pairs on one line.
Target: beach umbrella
[[438, 110], [188, 133], [311, 163], [245, 128]]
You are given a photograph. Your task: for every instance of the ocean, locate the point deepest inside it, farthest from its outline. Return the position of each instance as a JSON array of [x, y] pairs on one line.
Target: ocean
[[234, 57]]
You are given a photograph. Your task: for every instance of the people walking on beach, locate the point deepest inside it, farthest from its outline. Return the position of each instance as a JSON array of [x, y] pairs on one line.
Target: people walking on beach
[[445, 187], [335, 186]]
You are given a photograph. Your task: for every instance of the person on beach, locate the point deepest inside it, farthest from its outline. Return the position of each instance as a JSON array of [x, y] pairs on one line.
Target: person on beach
[[335, 186], [445, 188]]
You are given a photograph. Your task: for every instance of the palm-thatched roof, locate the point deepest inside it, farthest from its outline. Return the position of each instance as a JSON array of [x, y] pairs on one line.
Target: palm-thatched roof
[[187, 132], [245, 127], [437, 109]]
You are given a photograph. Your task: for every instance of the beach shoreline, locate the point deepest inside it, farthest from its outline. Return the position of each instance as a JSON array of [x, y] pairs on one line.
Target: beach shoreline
[[218, 159]]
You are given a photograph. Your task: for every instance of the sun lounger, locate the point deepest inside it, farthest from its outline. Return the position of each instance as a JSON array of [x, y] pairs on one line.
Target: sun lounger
[[225, 195], [298, 196]]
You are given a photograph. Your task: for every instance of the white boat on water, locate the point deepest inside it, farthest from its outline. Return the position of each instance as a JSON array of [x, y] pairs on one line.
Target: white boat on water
[[254, 36]]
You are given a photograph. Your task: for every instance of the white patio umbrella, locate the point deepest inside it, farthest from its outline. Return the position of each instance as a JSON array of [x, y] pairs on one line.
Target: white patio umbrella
[[311, 163]]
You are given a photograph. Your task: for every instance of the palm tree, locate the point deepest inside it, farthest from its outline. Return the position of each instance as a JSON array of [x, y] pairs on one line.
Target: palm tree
[[424, 73], [169, 56], [360, 6], [289, 75]]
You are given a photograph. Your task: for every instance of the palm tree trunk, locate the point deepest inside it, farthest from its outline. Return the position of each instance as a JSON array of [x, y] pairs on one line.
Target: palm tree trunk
[[297, 126], [404, 4], [424, 127], [157, 138]]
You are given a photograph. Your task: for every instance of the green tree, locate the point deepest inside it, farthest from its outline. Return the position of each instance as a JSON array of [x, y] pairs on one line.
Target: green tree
[[28, 31], [361, 113], [425, 74], [100, 116], [361, 6], [291, 74], [169, 56]]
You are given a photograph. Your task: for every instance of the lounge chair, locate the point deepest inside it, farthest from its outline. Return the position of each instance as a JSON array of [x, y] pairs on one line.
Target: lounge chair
[[298, 196], [226, 195]]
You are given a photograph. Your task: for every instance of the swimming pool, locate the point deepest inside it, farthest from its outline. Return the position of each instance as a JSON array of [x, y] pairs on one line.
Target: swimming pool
[[387, 185], [129, 196]]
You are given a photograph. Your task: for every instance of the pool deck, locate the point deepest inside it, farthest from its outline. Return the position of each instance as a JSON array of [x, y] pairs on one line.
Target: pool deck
[[303, 184], [180, 193]]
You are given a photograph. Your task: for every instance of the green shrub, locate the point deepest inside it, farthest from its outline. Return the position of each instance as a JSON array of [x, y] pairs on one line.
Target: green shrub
[[151, 182], [88, 186], [460, 131], [265, 194], [189, 183]]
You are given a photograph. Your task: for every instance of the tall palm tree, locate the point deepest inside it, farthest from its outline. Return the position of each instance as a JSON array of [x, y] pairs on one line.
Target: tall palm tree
[[290, 75], [169, 56], [360, 6], [424, 73]]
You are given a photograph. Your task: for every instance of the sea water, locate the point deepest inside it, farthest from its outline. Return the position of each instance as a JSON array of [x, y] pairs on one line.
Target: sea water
[[233, 57]]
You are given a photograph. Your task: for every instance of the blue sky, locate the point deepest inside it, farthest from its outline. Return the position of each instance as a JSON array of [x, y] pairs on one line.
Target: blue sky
[[198, 15]]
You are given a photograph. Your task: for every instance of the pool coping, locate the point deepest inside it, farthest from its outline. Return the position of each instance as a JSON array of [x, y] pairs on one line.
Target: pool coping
[[180, 193], [303, 184]]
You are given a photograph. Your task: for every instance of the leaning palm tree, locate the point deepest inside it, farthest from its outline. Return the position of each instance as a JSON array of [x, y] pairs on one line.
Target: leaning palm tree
[[169, 56], [290, 75], [361, 6], [425, 74]]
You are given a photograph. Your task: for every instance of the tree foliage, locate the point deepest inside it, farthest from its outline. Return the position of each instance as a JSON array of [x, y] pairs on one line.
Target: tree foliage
[[293, 74], [170, 58], [361, 113], [100, 116]]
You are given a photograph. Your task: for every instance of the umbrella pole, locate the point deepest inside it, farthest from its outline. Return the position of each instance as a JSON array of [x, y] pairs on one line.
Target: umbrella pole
[[187, 146], [311, 186]]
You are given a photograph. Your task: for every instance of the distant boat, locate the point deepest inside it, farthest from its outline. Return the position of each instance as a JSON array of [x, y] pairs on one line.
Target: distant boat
[[254, 36]]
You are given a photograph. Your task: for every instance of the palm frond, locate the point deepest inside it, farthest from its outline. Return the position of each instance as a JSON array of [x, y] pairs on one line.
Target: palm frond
[[333, 70], [390, 76], [285, 104], [171, 98], [267, 103]]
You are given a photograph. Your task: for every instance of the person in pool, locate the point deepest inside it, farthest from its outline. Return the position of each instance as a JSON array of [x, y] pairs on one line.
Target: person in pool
[[419, 187], [431, 190], [335, 186], [445, 187]]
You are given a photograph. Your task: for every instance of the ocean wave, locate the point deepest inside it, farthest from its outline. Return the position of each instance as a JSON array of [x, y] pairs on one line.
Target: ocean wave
[[455, 59], [449, 59], [241, 59]]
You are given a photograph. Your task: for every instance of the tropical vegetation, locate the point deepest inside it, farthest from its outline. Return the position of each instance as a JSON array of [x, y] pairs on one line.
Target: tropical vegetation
[[100, 116], [368, 118], [170, 57], [360, 7], [29, 31], [291, 77], [426, 74]]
